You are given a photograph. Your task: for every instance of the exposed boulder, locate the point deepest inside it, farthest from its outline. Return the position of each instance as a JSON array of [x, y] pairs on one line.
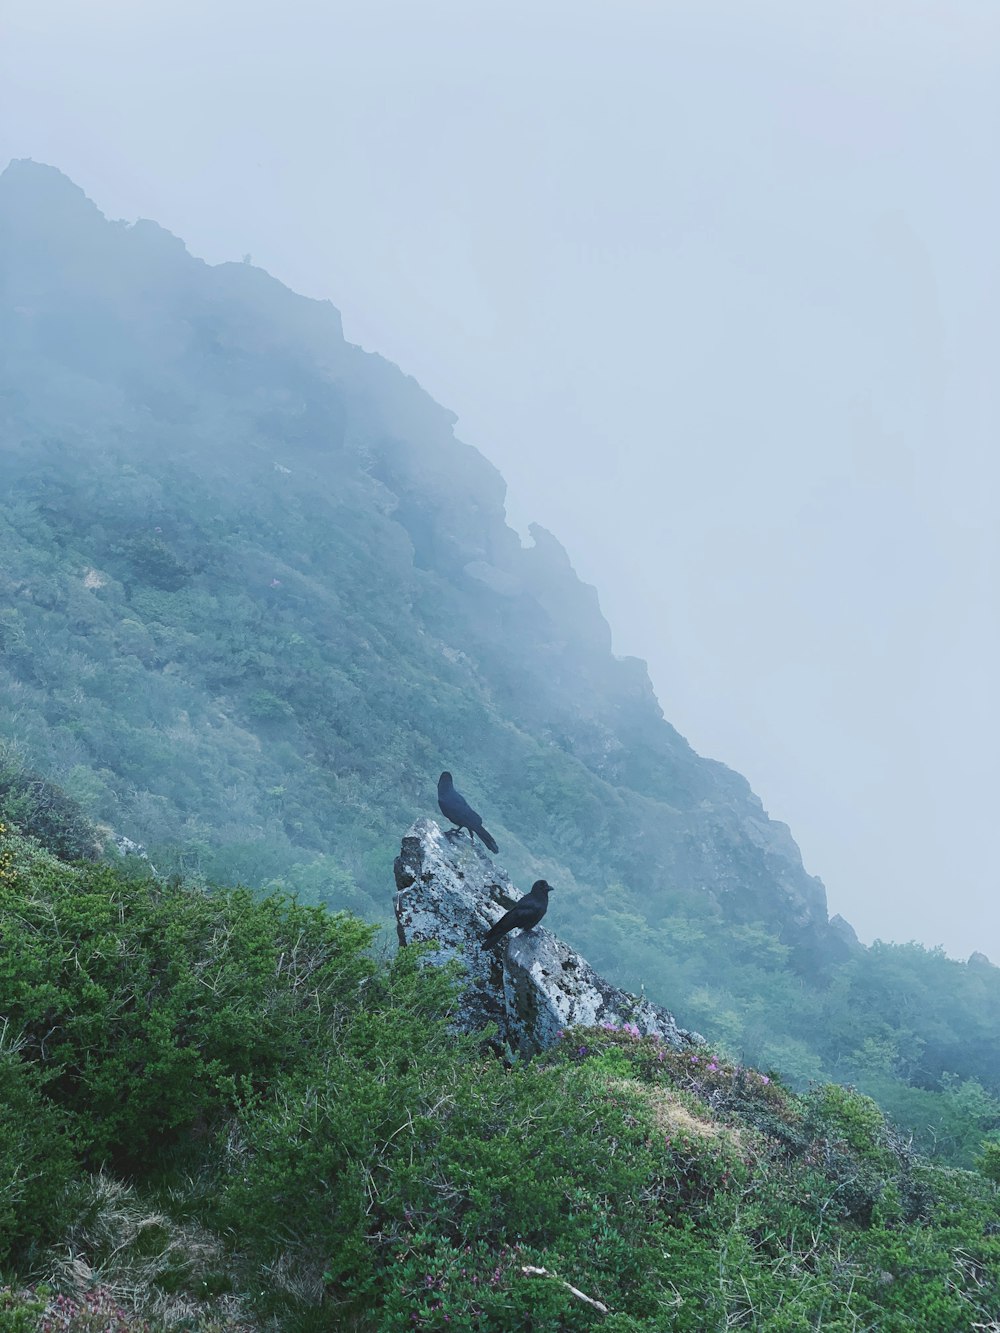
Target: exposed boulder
[[532, 985]]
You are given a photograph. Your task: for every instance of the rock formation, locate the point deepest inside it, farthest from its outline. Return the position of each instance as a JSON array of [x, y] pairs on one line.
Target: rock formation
[[532, 986]]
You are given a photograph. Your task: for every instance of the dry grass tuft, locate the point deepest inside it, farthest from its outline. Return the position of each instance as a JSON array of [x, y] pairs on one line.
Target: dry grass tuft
[[672, 1116], [161, 1271]]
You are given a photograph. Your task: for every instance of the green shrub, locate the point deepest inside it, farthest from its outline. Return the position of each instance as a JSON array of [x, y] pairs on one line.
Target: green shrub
[[19, 1311], [989, 1161], [36, 1159], [38, 808], [147, 1006]]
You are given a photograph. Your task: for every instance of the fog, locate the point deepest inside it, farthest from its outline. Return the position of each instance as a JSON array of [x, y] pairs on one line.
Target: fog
[[715, 286]]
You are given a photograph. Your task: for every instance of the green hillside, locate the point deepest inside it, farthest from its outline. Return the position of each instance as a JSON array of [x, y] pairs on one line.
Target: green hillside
[[254, 596], [221, 1113]]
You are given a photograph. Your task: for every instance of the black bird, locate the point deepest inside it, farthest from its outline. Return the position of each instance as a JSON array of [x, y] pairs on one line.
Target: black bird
[[526, 914], [455, 807]]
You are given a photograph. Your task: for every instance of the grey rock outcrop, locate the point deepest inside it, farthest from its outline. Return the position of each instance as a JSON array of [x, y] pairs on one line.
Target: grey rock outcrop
[[845, 933], [532, 986], [126, 847]]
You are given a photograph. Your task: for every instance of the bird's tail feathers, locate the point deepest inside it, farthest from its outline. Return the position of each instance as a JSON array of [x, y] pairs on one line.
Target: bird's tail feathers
[[488, 838], [496, 932]]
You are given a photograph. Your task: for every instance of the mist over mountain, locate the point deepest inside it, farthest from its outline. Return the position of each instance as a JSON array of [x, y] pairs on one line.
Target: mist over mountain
[[255, 596], [217, 461]]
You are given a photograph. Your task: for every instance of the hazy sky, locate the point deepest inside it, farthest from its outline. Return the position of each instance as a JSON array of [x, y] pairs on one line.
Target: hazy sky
[[715, 285]]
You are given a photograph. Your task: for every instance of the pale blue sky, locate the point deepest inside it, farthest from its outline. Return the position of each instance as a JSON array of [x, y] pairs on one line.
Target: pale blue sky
[[715, 285]]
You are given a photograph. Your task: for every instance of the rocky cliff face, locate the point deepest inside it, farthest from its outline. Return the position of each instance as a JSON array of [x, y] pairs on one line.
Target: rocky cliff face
[[532, 985]]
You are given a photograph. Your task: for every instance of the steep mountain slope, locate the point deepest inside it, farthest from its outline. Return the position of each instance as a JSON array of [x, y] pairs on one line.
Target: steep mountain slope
[[255, 596], [267, 548]]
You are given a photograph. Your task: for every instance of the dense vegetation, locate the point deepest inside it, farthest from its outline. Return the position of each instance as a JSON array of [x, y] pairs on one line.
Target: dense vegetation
[[254, 596], [224, 1112]]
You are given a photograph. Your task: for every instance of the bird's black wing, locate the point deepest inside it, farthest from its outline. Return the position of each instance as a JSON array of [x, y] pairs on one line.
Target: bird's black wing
[[524, 915], [455, 807]]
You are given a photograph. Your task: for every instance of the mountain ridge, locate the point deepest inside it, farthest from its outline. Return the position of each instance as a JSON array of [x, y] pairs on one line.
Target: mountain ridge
[[446, 497]]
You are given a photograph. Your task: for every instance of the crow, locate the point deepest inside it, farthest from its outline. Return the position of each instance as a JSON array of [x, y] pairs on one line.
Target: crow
[[526, 914], [455, 807]]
